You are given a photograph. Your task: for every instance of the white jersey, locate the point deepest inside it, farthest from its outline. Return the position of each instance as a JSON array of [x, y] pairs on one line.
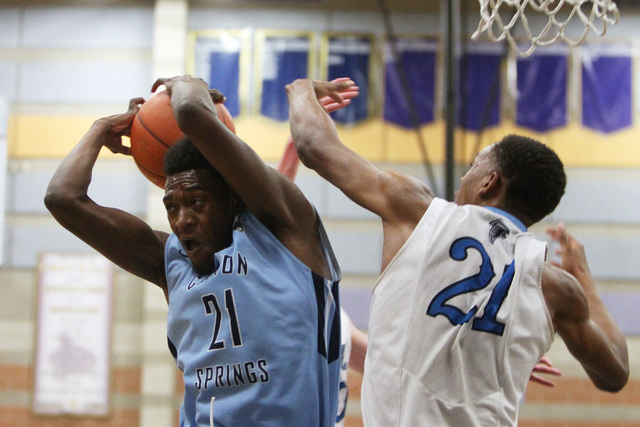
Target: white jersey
[[458, 322], [345, 355]]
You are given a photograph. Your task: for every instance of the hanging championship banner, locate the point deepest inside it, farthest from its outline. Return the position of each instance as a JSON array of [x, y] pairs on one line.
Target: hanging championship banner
[[542, 89], [73, 343], [410, 81], [480, 86], [607, 89], [351, 56], [281, 57], [221, 59]]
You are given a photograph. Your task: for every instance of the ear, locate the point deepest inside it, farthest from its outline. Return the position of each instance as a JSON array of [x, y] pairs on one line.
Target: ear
[[491, 186], [236, 205]]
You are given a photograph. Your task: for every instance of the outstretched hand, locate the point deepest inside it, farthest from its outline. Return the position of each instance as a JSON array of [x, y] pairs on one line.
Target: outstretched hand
[[119, 125], [571, 252], [545, 366], [335, 94]]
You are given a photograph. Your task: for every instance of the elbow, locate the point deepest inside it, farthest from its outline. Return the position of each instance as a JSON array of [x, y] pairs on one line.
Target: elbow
[[54, 200], [614, 380], [184, 113], [615, 383], [59, 202], [309, 153]]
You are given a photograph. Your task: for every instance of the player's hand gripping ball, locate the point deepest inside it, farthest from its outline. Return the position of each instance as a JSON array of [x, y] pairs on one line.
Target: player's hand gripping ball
[[154, 130]]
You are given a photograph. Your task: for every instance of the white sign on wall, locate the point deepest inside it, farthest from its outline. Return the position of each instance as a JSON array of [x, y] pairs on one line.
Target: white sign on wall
[[4, 119], [73, 347]]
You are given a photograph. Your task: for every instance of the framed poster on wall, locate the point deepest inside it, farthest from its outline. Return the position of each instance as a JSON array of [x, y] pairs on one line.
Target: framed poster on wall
[[73, 335]]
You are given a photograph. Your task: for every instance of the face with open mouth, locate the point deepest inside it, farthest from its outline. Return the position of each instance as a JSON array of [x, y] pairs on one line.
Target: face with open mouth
[[200, 216]]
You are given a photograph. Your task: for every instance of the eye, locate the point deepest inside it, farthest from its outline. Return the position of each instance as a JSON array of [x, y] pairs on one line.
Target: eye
[[170, 208]]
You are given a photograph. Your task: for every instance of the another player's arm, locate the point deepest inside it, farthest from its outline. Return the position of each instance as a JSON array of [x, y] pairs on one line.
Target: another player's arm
[[398, 199], [121, 237], [582, 319], [359, 342], [290, 161]]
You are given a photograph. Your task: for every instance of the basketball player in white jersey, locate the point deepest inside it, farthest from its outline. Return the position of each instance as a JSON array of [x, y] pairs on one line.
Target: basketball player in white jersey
[[250, 278], [465, 305]]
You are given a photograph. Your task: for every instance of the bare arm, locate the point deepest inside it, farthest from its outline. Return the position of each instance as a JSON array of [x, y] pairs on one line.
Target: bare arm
[[359, 341], [398, 199], [582, 319], [121, 237], [270, 196], [290, 161]]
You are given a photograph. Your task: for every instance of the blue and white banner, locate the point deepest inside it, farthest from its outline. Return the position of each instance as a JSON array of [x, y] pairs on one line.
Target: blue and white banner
[[284, 59], [350, 56], [217, 61]]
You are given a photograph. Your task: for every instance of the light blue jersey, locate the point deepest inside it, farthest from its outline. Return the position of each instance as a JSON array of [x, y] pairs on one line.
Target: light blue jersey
[[258, 340]]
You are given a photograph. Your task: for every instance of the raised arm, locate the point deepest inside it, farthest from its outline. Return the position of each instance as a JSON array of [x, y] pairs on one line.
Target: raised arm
[[269, 195], [319, 147], [400, 200], [581, 318], [290, 161], [121, 237]]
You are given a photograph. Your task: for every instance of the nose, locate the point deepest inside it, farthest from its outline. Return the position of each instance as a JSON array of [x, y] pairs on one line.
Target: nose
[[183, 220]]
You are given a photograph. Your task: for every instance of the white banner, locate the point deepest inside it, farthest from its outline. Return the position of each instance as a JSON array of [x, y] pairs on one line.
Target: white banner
[[73, 335]]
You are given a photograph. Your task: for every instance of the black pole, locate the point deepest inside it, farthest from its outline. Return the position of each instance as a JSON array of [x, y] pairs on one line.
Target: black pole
[[451, 10]]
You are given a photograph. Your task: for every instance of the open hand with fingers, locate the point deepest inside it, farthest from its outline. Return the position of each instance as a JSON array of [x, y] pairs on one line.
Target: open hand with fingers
[[336, 94], [571, 251], [119, 125], [545, 366]]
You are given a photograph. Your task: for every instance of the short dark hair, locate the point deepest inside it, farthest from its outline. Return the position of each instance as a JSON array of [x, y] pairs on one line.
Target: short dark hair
[[534, 175], [184, 155]]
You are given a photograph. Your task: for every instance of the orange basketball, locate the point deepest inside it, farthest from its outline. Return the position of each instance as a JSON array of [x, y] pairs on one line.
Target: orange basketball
[[154, 130]]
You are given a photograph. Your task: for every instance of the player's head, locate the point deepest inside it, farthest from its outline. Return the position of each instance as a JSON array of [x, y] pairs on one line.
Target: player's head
[[534, 175], [530, 174], [200, 205]]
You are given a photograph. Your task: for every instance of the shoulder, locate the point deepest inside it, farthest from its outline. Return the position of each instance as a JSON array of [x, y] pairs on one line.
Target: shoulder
[[408, 198]]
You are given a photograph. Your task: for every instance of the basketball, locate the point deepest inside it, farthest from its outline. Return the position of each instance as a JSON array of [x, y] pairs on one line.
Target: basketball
[[154, 130]]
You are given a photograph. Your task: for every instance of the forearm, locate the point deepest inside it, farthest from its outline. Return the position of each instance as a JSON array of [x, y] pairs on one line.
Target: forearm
[[312, 129], [601, 316], [289, 161]]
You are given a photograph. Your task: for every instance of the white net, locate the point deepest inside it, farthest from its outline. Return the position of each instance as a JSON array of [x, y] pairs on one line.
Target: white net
[[499, 24]]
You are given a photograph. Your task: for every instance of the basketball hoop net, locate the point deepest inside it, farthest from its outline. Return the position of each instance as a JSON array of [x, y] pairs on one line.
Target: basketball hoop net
[[602, 11]]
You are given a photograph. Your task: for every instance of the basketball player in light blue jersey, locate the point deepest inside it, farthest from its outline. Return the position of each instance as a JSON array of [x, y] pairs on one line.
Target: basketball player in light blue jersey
[[249, 276]]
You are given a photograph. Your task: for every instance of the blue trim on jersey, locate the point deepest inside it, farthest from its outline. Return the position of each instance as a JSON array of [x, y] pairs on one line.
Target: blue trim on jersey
[[512, 218]]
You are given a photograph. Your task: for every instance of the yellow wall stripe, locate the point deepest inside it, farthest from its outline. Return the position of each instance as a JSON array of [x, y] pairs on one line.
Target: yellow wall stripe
[[40, 136]]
